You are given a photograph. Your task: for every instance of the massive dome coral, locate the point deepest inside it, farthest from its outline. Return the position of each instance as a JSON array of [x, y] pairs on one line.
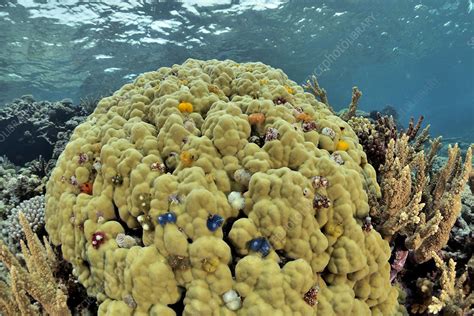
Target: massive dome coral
[[219, 188]]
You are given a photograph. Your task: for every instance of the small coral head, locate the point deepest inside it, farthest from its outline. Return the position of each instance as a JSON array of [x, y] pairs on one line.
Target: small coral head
[[98, 238], [213, 89], [334, 229], [185, 107], [86, 188], [214, 222]]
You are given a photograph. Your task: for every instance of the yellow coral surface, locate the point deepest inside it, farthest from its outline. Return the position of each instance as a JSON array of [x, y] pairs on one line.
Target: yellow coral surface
[[177, 144]]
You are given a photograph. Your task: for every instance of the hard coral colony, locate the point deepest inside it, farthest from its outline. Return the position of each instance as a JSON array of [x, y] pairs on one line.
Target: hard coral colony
[[263, 221]]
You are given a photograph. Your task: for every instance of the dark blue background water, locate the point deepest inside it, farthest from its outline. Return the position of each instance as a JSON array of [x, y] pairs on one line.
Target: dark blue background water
[[417, 56]]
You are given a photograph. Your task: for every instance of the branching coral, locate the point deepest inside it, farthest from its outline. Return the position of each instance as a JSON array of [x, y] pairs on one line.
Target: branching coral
[[412, 130], [36, 281], [400, 204], [443, 197], [374, 136], [416, 201], [312, 85], [455, 298], [352, 108]]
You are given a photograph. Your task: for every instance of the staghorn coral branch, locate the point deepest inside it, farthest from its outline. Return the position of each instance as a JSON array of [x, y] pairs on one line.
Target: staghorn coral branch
[[439, 186], [42, 285], [418, 165], [434, 149], [453, 299], [420, 140], [449, 203], [49, 252], [21, 297], [397, 189], [413, 129], [415, 202], [7, 304], [401, 198], [407, 216], [313, 86], [352, 108], [7, 257], [37, 280], [421, 232]]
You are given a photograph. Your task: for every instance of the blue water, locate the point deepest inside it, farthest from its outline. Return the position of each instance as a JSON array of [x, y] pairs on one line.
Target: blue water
[[417, 56]]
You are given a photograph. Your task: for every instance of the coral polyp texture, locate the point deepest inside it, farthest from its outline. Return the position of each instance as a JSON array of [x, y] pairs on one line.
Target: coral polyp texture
[[208, 197]]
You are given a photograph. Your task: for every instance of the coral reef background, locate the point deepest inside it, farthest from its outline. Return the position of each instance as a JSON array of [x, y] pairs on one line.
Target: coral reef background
[[431, 265], [115, 169]]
